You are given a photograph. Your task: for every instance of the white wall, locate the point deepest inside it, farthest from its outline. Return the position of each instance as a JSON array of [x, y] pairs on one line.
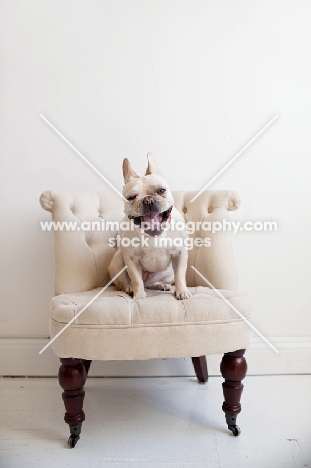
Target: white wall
[[192, 81]]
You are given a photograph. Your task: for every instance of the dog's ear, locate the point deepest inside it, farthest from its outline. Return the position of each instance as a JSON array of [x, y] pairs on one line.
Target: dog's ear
[[152, 167], [128, 172]]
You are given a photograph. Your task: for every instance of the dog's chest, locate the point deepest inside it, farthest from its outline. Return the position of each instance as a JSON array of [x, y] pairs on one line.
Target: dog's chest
[[153, 260]]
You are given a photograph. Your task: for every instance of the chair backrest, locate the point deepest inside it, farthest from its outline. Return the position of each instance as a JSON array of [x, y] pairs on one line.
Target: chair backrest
[[82, 256]]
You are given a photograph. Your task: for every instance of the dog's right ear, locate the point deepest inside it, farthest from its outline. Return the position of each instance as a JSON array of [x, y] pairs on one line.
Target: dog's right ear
[[128, 172], [152, 166]]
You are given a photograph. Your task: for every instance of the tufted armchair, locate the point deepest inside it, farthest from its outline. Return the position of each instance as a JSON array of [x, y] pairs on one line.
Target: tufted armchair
[[117, 327]]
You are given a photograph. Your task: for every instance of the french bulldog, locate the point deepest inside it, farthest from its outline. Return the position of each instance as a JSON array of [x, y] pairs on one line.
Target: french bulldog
[[150, 265]]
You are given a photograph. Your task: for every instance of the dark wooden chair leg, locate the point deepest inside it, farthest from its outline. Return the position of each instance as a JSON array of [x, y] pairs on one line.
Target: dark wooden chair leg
[[87, 365], [200, 367], [72, 377], [233, 368]]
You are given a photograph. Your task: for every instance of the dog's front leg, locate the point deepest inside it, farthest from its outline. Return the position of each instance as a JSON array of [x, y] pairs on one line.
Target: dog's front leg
[[179, 263], [135, 272]]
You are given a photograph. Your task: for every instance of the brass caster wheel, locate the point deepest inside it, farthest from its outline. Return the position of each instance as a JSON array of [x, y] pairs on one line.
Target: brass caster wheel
[[72, 441], [236, 431], [75, 432], [231, 421]]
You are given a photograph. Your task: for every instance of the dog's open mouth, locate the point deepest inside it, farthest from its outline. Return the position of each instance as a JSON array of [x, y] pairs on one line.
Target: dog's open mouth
[[153, 223]]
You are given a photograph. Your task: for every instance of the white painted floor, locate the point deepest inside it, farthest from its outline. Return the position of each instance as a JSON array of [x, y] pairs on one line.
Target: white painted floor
[[157, 422]]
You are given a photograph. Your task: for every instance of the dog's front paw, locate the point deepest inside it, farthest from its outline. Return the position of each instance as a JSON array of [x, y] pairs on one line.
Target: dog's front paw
[[180, 295], [140, 295], [127, 288]]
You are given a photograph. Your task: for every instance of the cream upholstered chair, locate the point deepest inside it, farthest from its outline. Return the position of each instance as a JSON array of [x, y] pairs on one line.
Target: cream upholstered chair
[[117, 327]]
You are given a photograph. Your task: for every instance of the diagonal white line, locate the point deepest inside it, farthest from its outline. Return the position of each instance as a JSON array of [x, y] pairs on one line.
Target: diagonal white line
[[83, 157], [82, 310], [235, 310], [235, 157]]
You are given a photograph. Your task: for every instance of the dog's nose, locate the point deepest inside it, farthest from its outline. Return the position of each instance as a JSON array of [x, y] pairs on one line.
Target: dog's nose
[[148, 200]]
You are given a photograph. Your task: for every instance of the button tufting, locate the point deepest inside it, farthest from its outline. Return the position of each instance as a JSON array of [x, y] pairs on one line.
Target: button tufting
[[210, 209]]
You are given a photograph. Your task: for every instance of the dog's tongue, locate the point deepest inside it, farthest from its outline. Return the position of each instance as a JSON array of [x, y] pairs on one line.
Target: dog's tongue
[[152, 224], [152, 218]]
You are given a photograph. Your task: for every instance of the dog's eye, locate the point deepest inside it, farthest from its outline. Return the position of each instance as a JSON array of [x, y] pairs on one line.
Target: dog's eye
[[132, 197], [161, 191]]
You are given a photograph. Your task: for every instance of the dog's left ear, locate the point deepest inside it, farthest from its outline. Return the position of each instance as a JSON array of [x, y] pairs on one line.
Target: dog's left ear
[[128, 172], [152, 167]]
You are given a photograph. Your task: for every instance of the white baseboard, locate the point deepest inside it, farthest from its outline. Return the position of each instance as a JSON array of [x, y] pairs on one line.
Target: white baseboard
[[20, 357]]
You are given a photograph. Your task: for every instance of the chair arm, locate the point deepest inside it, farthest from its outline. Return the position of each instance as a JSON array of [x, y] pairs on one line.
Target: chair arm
[[46, 201], [223, 199]]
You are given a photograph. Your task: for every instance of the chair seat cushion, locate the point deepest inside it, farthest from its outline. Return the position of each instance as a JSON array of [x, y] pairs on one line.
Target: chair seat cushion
[[117, 309], [115, 326]]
